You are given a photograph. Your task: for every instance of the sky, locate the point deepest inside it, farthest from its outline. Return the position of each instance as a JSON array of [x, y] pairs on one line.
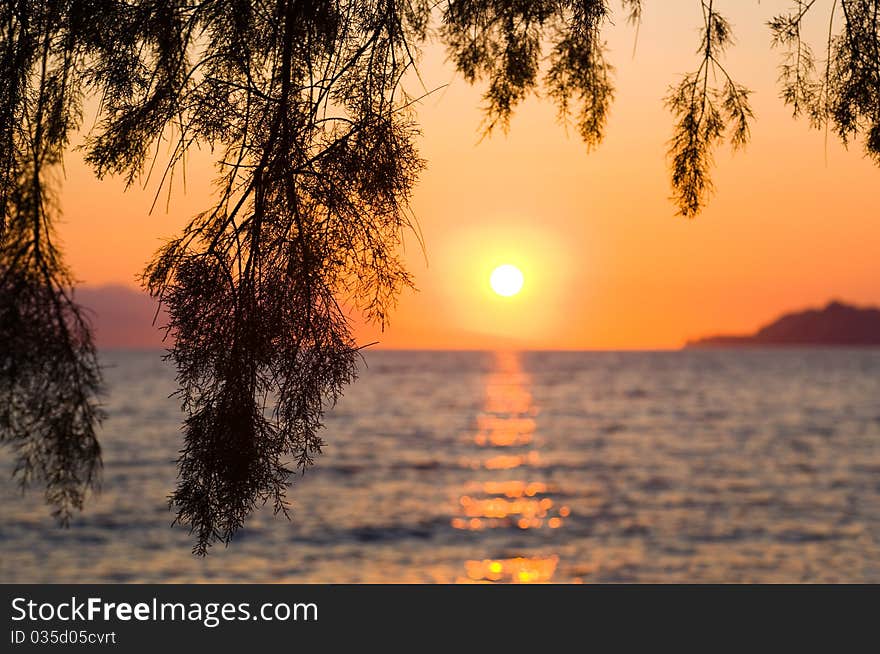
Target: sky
[[607, 263]]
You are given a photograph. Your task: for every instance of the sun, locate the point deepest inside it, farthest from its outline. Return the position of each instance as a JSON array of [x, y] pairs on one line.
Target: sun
[[506, 280]]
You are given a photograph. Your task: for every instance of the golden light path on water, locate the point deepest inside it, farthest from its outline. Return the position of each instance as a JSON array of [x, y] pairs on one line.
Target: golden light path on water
[[506, 431]]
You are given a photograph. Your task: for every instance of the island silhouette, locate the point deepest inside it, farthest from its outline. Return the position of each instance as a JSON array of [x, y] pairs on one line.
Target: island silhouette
[[836, 324]]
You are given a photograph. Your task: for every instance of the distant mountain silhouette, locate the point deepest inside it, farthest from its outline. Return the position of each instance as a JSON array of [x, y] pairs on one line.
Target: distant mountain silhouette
[[836, 324], [122, 316]]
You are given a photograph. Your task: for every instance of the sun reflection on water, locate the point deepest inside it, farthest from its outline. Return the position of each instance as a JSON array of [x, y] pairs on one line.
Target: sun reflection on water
[[509, 461], [504, 429], [518, 570], [502, 432]]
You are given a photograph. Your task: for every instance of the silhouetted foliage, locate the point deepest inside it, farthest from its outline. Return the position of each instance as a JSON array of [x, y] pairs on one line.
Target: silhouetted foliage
[[502, 43], [318, 166], [49, 374], [703, 112], [305, 104], [841, 91]]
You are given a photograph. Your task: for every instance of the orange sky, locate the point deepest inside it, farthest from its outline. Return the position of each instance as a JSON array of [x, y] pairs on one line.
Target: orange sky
[[607, 263]]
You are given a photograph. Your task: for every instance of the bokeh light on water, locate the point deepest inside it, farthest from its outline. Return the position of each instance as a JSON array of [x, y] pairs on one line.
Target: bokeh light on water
[[532, 467]]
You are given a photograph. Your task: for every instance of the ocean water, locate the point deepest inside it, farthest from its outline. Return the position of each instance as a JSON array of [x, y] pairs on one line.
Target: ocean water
[[694, 466]]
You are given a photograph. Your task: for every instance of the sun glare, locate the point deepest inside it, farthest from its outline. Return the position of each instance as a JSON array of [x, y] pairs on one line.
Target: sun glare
[[506, 280]]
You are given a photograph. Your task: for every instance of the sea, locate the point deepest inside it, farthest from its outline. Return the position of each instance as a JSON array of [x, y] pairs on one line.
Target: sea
[[508, 467]]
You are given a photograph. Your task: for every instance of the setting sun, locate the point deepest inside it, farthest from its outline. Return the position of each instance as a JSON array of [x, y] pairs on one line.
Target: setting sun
[[506, 280]]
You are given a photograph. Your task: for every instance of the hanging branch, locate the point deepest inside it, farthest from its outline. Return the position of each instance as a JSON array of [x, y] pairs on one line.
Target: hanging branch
[[841, 92], [501, 42], [50, 379], [704, 112]]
